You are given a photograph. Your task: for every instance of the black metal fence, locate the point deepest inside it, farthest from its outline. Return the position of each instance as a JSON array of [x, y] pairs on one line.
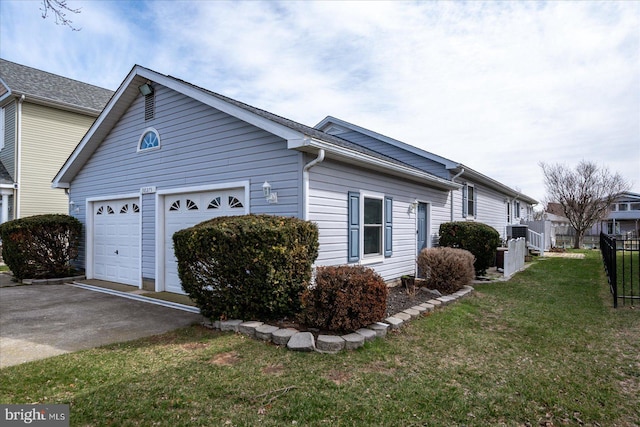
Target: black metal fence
[[621, 259]]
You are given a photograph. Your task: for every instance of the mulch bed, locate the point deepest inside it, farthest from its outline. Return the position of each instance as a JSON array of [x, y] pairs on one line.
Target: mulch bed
[[400, 299]]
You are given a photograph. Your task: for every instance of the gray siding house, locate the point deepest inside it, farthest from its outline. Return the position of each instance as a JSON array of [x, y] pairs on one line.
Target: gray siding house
[[165, 155]]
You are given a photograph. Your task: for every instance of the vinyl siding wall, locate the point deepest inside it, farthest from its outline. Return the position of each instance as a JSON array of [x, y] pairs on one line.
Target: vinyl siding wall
[[8, 152], [48, 137], [330, 182], [491, 210], [199, 146], [395, 152]]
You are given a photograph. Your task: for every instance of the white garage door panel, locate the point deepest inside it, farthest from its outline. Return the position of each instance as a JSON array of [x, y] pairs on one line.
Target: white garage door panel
[[186, 210], [116, 241]]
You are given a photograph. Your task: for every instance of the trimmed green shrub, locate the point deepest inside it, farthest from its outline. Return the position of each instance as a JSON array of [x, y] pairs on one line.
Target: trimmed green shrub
[[344, 299], [446, 269], [247, 267], [480, 239], [41, 246]]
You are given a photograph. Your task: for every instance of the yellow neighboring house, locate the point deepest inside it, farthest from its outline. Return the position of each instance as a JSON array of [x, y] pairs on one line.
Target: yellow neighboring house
[[43, 116]]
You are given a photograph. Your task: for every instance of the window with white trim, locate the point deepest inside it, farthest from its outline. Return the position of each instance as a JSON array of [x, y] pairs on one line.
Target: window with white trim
[[149, 140], [469, 201], [370, 227]]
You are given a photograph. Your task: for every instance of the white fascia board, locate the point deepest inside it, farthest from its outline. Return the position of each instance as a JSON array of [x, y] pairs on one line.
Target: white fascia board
[[220, 104], [375, 163], [98, 130], [496, 185]]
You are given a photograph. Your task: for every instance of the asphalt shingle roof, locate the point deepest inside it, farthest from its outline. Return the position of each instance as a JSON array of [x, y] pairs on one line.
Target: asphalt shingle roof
[[53, 88]]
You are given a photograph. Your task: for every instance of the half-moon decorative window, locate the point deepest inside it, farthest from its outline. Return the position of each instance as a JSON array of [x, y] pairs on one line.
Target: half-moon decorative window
[[191, 205], [234, 202], [150, 140], [214, 204], [175, 206], [110, 210], [100, 210]]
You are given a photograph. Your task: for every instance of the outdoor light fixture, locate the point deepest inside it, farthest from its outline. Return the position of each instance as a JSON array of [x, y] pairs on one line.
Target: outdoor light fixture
[[146, 89], [73, 207], [413, 206], [268, 195]]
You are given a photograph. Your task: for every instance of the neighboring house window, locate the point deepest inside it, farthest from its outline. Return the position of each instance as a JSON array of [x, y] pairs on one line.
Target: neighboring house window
[[469, 201], [635, 206], [150, 140], [370, 226], [508, 212], [516, 208], [623, 207]]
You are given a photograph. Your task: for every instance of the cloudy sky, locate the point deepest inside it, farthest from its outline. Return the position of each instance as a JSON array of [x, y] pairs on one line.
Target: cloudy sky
[[497, 86]]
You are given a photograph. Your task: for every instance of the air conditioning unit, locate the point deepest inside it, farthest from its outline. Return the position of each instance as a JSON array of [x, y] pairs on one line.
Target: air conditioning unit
[[517, 230]]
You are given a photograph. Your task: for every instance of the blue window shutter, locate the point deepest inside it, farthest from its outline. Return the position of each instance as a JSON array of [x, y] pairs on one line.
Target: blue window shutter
[[475, 202], [464, 201], [353, 223], [388, 226]]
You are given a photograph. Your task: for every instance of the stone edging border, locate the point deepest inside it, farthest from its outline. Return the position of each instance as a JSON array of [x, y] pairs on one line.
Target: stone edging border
[[305, 341]]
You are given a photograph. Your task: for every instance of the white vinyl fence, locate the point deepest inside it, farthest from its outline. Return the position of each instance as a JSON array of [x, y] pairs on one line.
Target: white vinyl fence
[[514, 256]]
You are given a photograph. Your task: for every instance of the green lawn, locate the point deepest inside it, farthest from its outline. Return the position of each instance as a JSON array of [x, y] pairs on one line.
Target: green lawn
[[544, 348]]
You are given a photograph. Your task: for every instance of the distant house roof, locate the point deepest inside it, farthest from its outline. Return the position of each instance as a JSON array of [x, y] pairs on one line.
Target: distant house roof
[[51, 89], [555, 209]]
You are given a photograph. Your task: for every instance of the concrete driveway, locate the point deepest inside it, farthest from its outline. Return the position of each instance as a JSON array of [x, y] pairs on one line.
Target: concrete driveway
[[39, 321]]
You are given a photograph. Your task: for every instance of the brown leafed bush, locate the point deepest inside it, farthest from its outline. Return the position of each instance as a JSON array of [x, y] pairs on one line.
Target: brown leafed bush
[[344, 299], [446, 269]]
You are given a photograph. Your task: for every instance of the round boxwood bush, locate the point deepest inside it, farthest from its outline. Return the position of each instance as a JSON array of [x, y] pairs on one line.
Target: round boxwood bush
[[247, 267], [344, 299], [480, 239], [41, 246]]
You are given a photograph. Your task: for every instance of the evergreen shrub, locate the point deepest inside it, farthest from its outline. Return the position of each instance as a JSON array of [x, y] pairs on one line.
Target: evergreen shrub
[[251, 267], [41, 246], [480, 239], [446, 269], [344, 299]]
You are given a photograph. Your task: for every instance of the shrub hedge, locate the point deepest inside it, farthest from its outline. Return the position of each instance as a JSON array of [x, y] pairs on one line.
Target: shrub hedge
[[247, 267], [344, 299], [40, 246], [480, 239], [446, 269]]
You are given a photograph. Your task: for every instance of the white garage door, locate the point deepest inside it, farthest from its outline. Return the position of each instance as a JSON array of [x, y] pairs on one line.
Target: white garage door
[[116, 241], [186, 210]]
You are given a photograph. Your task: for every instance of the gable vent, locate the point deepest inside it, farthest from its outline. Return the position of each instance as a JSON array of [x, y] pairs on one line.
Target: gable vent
[[149, 106]]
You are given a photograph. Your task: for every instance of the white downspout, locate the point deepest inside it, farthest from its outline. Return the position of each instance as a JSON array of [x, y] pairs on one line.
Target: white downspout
[[305, 182], [454, 180], [19, 157]]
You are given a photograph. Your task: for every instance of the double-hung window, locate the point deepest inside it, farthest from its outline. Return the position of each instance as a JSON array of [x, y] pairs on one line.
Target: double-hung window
[[372, 226], [469, 201], [370, 223]]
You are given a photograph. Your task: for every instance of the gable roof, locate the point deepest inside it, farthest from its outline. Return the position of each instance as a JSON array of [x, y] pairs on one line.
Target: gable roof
[[298, 136], [51, 89], [454, 167]]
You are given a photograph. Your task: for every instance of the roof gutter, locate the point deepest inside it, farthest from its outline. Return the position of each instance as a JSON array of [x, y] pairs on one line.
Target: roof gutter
[[305, 180], [397, 169], [454, 180]]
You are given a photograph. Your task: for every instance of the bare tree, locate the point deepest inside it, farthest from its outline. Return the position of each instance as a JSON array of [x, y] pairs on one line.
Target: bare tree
[[59, 9], [585, 193]]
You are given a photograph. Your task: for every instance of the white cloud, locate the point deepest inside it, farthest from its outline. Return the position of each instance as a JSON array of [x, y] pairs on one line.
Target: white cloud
[[498, 86]]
